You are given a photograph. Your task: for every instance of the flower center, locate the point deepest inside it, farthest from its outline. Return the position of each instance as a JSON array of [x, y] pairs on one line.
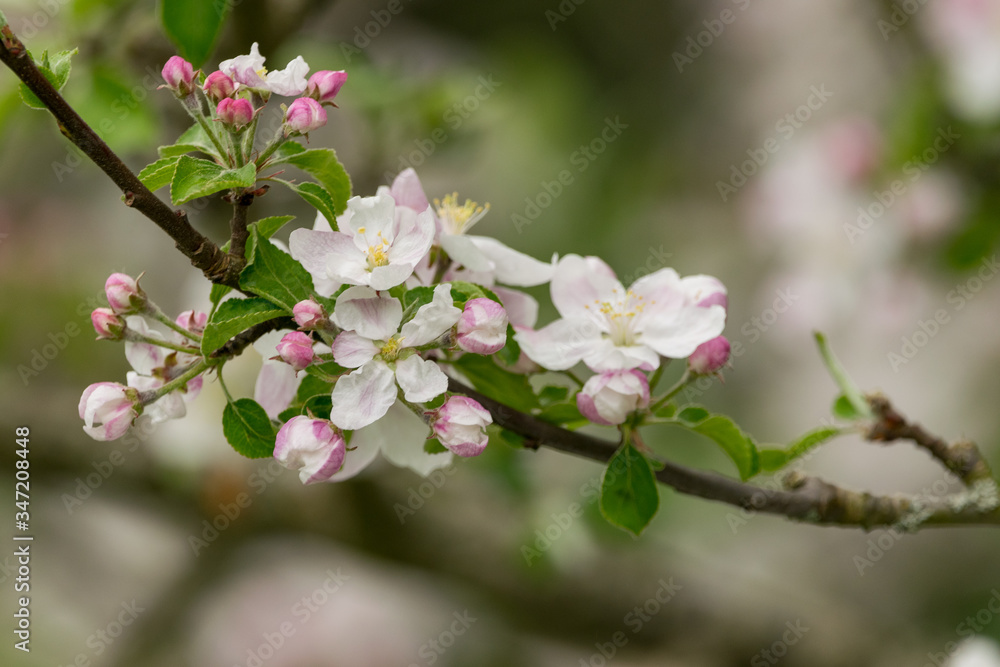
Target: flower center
[[391, 348], [378, 252], [456, 218], [619, 312]]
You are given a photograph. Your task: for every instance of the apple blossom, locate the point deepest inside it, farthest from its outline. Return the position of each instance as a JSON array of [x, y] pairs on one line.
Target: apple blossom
[[609, 397], [108, 409], [380, 247], [705, 291], [296, 350], [303, 116], [460, 424], [179, 75], [482, 328], [124, 294], [108, 325], [154, 366], [309, 315], [382, 352], [324, 85], [249, 71], [290, 81], [611, 328], [218, 86], [709, 357], [235, 113], [311, 446], [193, 320]]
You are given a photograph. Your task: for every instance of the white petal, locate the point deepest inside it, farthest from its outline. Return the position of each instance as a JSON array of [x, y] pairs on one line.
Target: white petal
[[363, 396], [372, 315], [560, 345], [663, 296], [403, 436], [606, 356], [522, 309], [407, 191], [512, 267], [387, 277], [420, 379], [290, 81], [463, 250], [580, 283], [314, 250], [363, 448], [144, 357], [351, 350], [416, 234], [276, 385], [376, 215], [677, 337], [321, 224], [431, 319]]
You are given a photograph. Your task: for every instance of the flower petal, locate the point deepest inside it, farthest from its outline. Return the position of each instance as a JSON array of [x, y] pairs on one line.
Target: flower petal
[[276, 385], [403, 436], [374, 316], [560, 345], [420, 379], [522, 309], [513, 267], [363, 396], [606, 356], [352, 350], [679, 336], [463, 250], [375, 215], [362, 450], [313, 250], [580, 283], [431, 319], [291, 81], [407, 191], [415, 237], [388, 276]]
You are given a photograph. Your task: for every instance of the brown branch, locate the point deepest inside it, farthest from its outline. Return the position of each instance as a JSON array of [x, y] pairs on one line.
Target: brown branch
[[961, 458], [235, 345], [203, 253], [805, 499], [238, 229]]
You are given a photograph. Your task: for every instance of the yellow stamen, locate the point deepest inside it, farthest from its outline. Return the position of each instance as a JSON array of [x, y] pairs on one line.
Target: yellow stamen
[[459, 218]]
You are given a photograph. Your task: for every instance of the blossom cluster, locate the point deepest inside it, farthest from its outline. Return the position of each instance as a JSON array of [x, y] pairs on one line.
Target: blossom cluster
[[402, 292]]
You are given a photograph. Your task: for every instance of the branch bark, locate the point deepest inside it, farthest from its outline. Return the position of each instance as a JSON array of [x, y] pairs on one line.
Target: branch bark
[[200, 250]]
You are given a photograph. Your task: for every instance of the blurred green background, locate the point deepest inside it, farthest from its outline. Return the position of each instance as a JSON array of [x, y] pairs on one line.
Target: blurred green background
[[787, 148]]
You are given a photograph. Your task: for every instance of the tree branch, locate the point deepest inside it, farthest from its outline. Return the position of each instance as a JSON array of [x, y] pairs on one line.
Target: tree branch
[[203, 253], [806, 499]]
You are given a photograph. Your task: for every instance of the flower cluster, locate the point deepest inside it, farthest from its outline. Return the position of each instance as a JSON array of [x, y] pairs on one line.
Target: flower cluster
[[402, 297]]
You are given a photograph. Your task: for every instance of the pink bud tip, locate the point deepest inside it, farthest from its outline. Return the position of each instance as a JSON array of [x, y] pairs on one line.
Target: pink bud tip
[[308, 314], [296, 350], [460, 424], [219, 86], [482, 328], [709, 357], [303, 116], [324, 85], [107, 324], [124, 294], [179, 75], [314, 447], [236, 113]]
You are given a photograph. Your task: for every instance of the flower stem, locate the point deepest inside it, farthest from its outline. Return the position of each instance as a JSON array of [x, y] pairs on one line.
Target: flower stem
[[154, 311], [225, 389], [279, 138], [199, 118], [192, 372], [133, 336], [660, 402]]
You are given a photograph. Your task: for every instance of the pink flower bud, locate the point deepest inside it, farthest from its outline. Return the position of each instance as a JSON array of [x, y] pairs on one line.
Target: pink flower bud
[[610, 397], [218, 86], [108, 325], [235, 113], [324, 85], [107, 410], [311, 446], [482, 329], [309, 314], [709, 357], [124, 294], [193, 320], [460, 424], [295, 349], [303, 116], [179, 75]]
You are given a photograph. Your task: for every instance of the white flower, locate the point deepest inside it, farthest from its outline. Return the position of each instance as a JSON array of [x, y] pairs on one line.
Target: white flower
[[460, 424], [482, 329], [611, 328], [383, 354], [249, 71], [107, 410], [154, 366], [311, 446], [380, 248]]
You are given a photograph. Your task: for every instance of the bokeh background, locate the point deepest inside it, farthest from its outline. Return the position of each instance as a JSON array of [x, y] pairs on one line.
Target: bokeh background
[[835, 164]]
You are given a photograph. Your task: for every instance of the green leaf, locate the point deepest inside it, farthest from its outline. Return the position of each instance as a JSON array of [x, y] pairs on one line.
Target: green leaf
[[500, 385], [553, 394], [312, 386], [775, 459], [740, 447], [275, 276], [218, 291], [267, 227], [56, 69], [512, 439], [323, 165], [193, 26], [629, 497], [434, 446], [194, 140], [511, 351], [248, 428], [843, 380], [843, 409], [195, 178], [564, 414], [317, 197], [668, 411], [159, 173], [233, 317], [414, 298]]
